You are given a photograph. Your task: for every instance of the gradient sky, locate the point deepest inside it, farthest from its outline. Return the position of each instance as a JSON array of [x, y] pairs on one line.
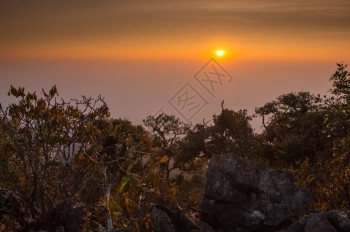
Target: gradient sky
[[139, 53], [120, 29]]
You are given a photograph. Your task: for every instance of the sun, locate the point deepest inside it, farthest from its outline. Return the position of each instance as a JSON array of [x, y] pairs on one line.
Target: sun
[[220, 52]]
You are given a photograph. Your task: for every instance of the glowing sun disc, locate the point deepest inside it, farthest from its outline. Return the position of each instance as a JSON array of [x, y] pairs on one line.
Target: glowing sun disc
[[220, 52]]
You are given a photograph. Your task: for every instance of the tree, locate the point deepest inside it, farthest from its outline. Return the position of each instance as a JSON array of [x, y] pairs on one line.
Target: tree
[[293, 129], [51, 147], [336, 192], [191, 148], [341, 83], [167, 132], [310, 135], [231, 132]]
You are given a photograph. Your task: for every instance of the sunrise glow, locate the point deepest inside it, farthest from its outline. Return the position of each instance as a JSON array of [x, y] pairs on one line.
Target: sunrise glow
[[220, 53]]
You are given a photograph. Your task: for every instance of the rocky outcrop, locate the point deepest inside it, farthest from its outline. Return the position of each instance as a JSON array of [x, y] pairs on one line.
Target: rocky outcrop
[[240, 194], [333, 221]]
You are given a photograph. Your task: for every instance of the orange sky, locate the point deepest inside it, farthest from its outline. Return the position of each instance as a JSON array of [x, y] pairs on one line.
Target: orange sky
[[272, 29]]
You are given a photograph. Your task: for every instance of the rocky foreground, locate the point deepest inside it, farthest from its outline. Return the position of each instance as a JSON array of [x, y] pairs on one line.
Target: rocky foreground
[[243, 196], [239, 196]]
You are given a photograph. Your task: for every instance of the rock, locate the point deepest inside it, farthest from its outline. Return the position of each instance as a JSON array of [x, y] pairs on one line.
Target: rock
[[164, 220], [318, 222], [68, 216], [161, 221], [185, 222], [296, 226], [244, 194], [332, 221], [59, 229], [340, 220], [73, 218], [14, 214]]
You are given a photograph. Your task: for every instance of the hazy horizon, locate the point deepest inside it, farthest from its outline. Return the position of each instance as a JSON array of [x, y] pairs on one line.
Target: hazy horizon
[[130, 97], [139, 55]]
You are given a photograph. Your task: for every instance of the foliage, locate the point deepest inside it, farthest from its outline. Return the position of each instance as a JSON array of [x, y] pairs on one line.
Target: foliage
[[337, 123], [167, 132], [46, 139], [293, 129], [231, 132], [310, 135], [52, 150]]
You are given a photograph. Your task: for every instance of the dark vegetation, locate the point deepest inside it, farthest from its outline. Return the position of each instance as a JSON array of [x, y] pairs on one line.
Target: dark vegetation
[[52, 150]]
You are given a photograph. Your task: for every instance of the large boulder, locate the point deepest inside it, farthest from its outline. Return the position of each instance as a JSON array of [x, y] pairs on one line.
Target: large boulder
[[241, 194], [332, 221]]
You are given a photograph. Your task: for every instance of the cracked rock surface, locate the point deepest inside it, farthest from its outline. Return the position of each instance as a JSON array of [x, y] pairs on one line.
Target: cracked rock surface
[[243, 194]]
